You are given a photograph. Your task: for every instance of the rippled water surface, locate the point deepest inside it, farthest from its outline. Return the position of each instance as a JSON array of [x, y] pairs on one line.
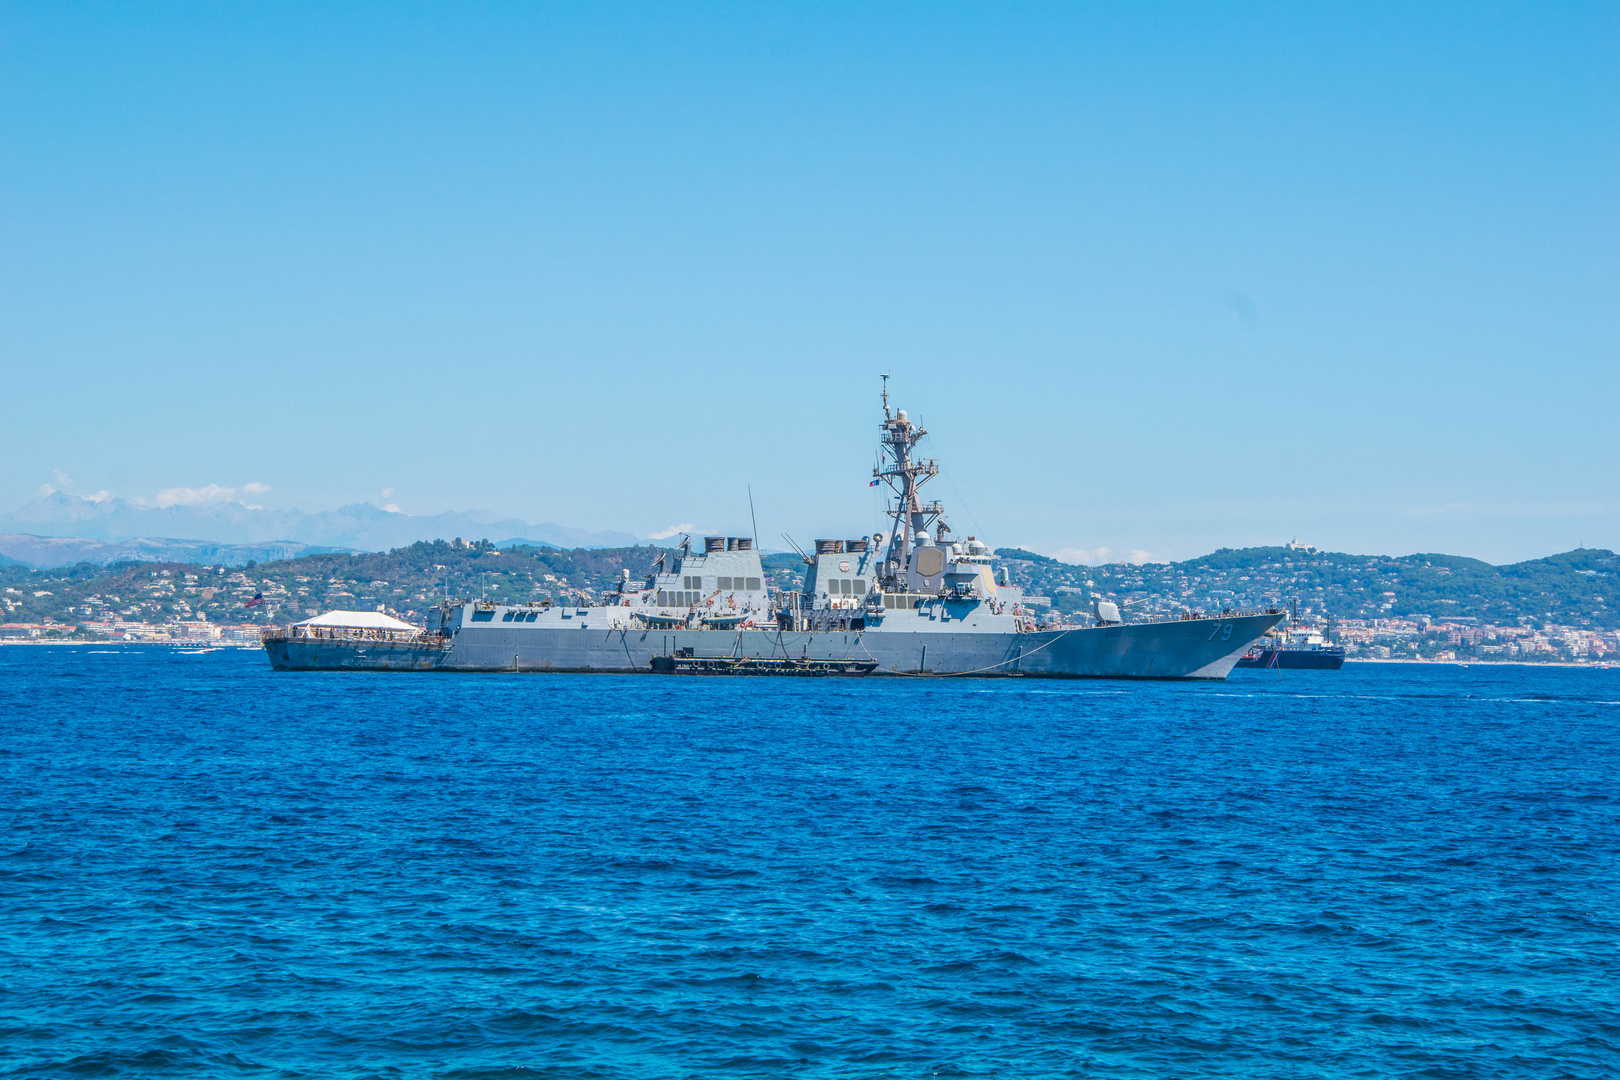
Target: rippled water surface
[[207, 868]]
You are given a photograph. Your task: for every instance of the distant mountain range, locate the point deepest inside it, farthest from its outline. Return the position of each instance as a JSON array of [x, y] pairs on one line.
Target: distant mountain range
[[231, 533], [49, 552]]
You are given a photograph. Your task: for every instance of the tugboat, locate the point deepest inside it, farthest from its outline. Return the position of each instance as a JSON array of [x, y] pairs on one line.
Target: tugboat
[[915, 602], [1300, 648]]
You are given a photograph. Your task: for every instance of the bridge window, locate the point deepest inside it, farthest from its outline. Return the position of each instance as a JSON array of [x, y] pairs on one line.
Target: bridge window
[[753, 584], [860, 587], [723, 584], [483, 616]]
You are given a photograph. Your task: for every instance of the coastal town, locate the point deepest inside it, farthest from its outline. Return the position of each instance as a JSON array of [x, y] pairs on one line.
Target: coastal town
[[167, 608], [1433, 608]]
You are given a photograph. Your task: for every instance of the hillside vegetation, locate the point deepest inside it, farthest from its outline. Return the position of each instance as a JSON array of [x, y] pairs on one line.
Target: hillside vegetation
[[1576, 588], [407, 580]]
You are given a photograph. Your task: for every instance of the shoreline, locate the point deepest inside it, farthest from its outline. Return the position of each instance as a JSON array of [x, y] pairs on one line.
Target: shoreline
[[1596, 664], [136, 644]]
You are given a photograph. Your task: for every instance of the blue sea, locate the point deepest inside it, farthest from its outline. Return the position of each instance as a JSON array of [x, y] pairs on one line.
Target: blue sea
[[211, 869]]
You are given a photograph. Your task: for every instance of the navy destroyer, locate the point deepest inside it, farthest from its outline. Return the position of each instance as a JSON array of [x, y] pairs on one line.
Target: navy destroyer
[[916, 602]]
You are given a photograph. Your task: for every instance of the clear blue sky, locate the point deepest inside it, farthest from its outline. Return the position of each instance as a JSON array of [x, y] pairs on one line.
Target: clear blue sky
[[1160, 278]]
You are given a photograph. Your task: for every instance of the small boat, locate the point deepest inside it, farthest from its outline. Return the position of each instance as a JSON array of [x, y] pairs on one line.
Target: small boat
[[1292, 656], [1297, 648]]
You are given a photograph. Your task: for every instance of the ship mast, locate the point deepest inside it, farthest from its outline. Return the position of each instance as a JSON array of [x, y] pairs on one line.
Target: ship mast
[[905, 476]]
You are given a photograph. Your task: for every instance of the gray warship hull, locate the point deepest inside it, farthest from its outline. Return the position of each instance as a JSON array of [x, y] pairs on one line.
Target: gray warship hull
[[1205, 648]]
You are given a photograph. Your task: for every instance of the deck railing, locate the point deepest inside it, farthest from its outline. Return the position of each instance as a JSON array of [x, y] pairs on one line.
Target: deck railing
[[352, 634], [1194, 616]]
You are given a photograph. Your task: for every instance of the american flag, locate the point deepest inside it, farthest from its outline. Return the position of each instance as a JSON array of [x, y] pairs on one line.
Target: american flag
[[258, 598]]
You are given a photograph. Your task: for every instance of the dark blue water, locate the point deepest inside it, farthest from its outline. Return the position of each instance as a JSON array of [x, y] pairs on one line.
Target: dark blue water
[[210, 869]]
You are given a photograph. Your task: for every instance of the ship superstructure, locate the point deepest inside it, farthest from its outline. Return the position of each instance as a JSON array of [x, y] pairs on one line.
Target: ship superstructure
[[917, 601], [720, 588]]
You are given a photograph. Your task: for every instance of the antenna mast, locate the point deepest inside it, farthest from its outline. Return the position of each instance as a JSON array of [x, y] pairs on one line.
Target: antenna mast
[[904, 477], [752, 520]]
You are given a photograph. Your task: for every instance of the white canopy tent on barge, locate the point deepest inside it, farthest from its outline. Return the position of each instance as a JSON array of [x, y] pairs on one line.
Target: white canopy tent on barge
[[355, 626]]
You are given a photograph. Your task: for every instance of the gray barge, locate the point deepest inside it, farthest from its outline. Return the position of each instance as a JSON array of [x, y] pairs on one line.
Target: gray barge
[[916, 602]]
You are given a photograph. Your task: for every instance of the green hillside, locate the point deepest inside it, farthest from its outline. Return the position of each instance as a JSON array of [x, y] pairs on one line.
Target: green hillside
[[407, 580], [1572, 589], [1576, 588]]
